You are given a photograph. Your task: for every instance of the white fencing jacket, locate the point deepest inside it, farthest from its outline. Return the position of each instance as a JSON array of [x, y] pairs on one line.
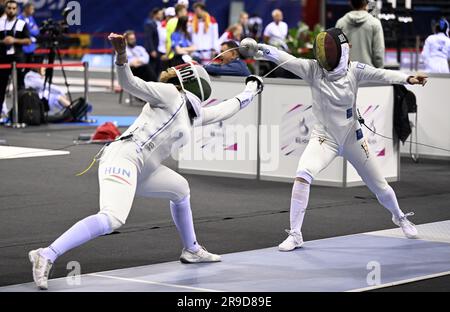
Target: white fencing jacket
[[164, 123], [334, 93], [436, 53]]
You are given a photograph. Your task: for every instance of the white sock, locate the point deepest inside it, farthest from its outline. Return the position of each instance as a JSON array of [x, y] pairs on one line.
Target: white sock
[[80, 233], [389, 201], [182, 216], [299, 202]]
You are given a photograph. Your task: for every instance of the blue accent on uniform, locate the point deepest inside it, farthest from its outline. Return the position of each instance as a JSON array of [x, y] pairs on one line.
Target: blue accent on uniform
[[359, 134], [349, 113], [166, 124], [361, 66]]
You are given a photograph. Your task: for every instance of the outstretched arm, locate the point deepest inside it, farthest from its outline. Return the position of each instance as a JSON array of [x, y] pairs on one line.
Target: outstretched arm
[[229, 108], [366, 73], [147, 91], [301, 67]]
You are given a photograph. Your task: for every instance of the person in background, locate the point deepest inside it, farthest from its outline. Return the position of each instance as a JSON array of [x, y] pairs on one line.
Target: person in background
[[181, 43], [33, 28], [205, 33], [57, 99], [169, 13], [14, 35], [2, 7], [180, 11], [243, 21], [138, 58], [234, 33], [276, 32], [152, 38], [436, 51], [365, 33], [230, 63], [255, 25], [185, 3]]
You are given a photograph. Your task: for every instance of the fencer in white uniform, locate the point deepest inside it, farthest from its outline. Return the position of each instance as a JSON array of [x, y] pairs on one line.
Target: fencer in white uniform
[[436, 50], [334, 83], [132, 164]]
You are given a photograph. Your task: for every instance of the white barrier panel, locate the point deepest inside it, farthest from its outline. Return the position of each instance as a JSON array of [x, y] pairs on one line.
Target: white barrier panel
[[433, 106], [227, 148], [288, 107], [230, 148]]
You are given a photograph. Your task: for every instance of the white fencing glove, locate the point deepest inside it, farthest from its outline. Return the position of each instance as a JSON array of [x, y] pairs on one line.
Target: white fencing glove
[[268, 52], [254, 85]]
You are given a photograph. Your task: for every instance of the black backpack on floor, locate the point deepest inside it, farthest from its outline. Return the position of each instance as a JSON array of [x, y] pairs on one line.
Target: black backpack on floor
[[32, 110]]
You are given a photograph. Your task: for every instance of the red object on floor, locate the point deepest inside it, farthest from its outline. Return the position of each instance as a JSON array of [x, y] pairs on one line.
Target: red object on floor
[[106, 132]]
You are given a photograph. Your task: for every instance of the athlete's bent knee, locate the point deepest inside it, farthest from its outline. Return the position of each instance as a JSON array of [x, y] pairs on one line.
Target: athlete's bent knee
[[114, 222], [182, 191]]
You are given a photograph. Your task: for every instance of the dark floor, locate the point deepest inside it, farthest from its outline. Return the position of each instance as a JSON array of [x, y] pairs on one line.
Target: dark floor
[[41, 197]]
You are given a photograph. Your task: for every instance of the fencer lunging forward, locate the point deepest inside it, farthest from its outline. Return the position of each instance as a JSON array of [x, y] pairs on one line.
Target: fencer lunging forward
[[334, 82], [132, 164]]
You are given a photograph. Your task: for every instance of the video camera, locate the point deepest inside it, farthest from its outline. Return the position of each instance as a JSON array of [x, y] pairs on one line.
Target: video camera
[[54, 33]]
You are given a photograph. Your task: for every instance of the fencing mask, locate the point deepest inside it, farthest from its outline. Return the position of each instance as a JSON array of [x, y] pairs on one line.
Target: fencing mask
[[194, 78], [329, 48], [444, 26]]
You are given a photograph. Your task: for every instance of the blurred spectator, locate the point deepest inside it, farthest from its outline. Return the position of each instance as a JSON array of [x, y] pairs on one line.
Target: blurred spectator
[[230, 64], [33, 28], [365, 34], [14, 35], [152, 38], [255, 25], [243, 21], [436, 51], [180, 11], [2, 7], [276, 32], [205, 33], [185, 3], [138, 58], [57, 99], [169, 13], [181, 42], [233, 33]]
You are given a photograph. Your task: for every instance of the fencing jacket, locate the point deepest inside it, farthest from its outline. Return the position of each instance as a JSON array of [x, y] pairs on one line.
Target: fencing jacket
[[334, 93], [164, 123], [436, 53]]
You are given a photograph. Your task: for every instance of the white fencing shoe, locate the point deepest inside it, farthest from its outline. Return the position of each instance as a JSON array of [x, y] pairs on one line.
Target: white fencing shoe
[[407, 226], [41, 268], [294, 240], [202, 255]]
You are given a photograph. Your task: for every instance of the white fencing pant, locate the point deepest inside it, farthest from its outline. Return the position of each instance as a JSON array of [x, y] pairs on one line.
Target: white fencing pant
[[321, 150], [122, 175]]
